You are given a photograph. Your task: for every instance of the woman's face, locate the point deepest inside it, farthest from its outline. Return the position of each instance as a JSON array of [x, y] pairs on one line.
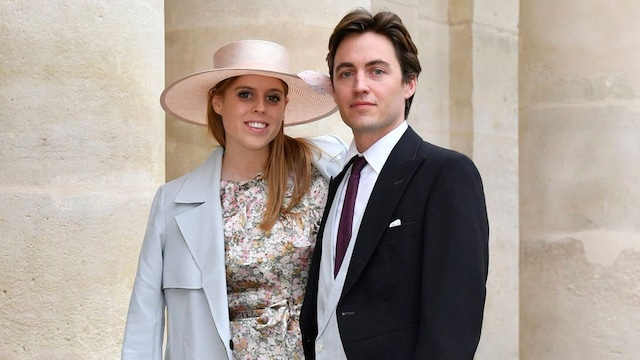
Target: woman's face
[[252, 109]]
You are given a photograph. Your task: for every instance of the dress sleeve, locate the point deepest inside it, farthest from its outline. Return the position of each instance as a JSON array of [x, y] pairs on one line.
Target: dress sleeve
[[329, 160], [144, 329]]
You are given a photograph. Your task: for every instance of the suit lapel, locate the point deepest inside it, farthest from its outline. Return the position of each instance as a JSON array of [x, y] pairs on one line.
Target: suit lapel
[[389, 188]]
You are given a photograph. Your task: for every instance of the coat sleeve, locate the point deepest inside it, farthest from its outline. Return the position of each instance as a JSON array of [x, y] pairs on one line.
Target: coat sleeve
[[144, 329], [329, 160], [455, 262]]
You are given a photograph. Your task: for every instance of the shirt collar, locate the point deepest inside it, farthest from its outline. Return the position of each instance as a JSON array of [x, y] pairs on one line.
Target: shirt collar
[[377, 154]]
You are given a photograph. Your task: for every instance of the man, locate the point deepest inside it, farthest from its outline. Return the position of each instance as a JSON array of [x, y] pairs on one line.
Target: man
[[411, 282]]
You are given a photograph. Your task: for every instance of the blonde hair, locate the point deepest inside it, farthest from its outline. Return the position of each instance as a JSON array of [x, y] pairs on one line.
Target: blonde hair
[[287, 157]]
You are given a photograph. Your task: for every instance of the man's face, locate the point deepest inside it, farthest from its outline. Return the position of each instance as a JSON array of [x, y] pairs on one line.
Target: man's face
[[368, 87]]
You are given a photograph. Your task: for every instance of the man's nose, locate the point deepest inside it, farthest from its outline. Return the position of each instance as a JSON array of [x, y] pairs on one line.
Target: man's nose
[[360, 83]]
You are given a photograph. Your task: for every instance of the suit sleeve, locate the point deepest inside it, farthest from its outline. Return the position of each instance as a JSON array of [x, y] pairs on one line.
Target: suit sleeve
[[455, 263], [145, 320]]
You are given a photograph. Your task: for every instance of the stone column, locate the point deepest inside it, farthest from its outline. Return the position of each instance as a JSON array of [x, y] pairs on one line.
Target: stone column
[[580, 150], [483, 70], [196, 28], [82, 152]]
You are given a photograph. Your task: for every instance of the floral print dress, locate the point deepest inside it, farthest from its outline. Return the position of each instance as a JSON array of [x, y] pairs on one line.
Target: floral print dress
[[267, 272]]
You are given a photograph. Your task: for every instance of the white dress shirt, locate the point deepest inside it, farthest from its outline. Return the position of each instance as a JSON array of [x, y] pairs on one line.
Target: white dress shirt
[[328, 342]]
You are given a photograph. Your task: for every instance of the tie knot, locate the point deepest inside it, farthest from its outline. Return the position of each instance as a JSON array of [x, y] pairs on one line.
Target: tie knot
[[358, 163]]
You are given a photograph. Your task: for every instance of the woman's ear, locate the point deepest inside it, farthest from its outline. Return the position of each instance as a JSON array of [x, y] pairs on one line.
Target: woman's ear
[[216, 101]]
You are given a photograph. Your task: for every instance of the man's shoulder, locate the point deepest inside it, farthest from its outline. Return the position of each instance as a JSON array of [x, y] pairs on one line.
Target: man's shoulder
[[425, 148], [437, 150], [413, 146], [435, 156]]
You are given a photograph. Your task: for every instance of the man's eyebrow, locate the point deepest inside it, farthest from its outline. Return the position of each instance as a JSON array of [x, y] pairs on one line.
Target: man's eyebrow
[[368, 64], [343, 65], [377, 62]]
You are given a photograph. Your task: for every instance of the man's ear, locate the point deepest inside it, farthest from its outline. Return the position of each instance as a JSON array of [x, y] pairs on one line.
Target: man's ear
[[410, 87]]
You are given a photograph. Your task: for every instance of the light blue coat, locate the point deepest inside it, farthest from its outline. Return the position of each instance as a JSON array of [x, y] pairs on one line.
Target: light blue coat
[[182, 266]]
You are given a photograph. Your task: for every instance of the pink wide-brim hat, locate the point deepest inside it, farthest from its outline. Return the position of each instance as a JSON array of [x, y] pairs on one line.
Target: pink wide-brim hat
[[310, 93]]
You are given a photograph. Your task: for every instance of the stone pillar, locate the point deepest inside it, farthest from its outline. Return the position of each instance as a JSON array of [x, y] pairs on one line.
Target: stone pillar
[[82, 153], [195, 29], [483, 70], [580, 150]]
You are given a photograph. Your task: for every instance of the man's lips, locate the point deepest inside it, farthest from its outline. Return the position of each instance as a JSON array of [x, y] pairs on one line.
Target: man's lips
[[358, 104]]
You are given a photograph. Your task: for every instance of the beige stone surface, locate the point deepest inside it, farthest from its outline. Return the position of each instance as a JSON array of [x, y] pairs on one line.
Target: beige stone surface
[[575, 309], [579, 146], [430, 110], [503, 15], [82, 153], [581, 175], [461, 88]]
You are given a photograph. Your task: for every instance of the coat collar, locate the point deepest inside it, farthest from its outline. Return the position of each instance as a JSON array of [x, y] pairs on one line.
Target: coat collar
[[197, 187]]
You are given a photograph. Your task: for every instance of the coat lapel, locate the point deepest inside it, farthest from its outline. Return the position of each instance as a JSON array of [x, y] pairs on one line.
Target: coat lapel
[[202, 230], [389, 188], [201, 190]]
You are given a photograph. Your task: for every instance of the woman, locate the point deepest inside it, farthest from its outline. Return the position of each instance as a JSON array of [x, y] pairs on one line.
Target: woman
[[228, 245]]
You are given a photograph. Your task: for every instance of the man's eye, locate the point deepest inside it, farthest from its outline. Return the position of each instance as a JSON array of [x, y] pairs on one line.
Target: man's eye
[[345, 74], [378, 71]]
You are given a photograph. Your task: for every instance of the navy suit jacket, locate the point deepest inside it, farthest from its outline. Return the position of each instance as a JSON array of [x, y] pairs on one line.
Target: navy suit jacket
[[415, 291]]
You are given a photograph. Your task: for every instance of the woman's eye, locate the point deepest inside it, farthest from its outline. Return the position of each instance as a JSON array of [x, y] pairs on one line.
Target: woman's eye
[[273, 98], [244, 95]]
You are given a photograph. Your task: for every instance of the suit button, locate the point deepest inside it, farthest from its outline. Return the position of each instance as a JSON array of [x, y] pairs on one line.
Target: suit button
[[319, 347], [231, 344]]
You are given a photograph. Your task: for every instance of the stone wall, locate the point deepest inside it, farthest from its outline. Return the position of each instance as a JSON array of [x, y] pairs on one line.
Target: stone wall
[[82, 151], [579, 195]]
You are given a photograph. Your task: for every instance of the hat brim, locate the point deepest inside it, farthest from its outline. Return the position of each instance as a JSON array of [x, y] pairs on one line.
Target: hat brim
[[186, 98]]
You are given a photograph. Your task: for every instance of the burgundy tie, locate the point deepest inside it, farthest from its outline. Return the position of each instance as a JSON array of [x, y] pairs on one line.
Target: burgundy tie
[[346, 218]]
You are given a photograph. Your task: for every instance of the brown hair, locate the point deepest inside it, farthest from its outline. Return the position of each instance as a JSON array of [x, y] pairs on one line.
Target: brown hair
[[385, 23], [288, 156]]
